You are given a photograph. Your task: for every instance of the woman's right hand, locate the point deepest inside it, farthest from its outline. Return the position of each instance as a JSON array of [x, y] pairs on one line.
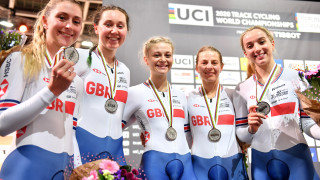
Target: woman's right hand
[[254, 119], [61, 76]]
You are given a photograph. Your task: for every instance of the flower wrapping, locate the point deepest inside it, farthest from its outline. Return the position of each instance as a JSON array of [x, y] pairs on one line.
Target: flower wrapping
[[104, 169], [310, 96], [11, 41]]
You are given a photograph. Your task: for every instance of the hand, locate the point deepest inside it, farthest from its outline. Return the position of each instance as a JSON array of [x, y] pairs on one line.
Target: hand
[[143, 140], [61, 76], [254, 119]]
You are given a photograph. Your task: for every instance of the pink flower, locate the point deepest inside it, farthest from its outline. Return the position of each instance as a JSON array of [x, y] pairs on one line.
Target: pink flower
[[109, 165], [318, 67], [135, 172], [93, 176], [312, 72]]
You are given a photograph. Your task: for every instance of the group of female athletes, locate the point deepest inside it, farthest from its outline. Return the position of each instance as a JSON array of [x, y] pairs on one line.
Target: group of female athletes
[[68, 107]]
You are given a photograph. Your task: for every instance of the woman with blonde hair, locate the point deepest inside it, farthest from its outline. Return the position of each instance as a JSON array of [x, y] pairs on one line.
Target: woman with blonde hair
[[269, 114], [39, 99], [161, 112]]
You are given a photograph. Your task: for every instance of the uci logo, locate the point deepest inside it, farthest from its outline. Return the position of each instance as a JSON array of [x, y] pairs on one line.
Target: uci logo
[[97, 71], [190, 14], [196, 105]]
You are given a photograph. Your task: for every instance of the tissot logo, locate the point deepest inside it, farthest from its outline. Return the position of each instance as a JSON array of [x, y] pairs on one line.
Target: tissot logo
[[190, 14]]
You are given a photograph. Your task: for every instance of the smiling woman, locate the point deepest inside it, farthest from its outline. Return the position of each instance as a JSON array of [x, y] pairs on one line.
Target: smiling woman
[[99, 132], [37, 79], [162, 115]]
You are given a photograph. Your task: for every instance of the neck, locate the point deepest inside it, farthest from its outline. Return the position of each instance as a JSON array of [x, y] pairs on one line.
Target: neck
[[160, 82], [52, 50], [263, 73], [109, 55], [210, 88]]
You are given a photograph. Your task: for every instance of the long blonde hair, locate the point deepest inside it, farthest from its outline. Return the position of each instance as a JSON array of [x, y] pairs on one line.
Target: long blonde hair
[[251, 66], [35, 51]]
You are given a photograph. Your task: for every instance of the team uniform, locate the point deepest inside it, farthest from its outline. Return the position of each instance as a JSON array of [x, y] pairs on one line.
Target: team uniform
[[214, 160], [162, 158], [99, 133], [279, 150], [44, 146]]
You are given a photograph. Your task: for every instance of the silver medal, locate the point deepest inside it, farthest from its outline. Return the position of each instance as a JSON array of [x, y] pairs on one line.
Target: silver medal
[[171, 133], [214, 135], [71, 54], [263, 108], [111, 105]]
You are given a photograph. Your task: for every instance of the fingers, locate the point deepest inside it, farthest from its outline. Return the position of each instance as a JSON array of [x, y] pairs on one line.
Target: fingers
[[64, 68], [255, 120], [253, 108]]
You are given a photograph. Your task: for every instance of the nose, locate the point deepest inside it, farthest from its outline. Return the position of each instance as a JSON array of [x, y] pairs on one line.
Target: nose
[[257, 47], [114, 29], [68, 24]]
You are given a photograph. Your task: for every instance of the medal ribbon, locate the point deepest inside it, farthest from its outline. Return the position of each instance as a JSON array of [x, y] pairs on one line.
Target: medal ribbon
[[169, 118], [56, 57], [112, 90], [265, 88], [214, 121]]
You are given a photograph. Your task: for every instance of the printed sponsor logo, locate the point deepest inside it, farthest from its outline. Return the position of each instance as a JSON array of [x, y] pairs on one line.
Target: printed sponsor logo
[[151, 100], [196, 105], [146, 136], [3, 87], [72, 89], [21, 132], [97, 71], [122, 80], [7, 68], [279, 93], [252, 97], [174, 101], [46, 80]]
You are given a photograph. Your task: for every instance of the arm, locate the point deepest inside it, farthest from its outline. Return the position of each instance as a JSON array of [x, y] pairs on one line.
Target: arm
[[15, 115], [187, 129], [241, 112], [131, 107]]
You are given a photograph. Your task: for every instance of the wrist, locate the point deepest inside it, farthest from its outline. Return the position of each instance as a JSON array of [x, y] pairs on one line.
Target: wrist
[[250, 131]]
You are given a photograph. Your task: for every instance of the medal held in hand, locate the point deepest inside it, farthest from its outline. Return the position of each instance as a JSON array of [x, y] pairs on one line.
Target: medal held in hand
[[171, 133], [214, 135], [263, 108], [71, 54], [111, 105]]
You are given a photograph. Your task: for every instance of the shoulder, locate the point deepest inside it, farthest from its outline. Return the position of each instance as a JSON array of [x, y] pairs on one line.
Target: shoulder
[[13, 59], [137, 89], [228, 92], [193, 93], [123, 66], [82, 51], [287, 72]]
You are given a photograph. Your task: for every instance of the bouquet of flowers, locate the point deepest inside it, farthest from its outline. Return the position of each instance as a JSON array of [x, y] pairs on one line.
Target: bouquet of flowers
[[310, 96], [11, 41], [104, 169], [313, 79]]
